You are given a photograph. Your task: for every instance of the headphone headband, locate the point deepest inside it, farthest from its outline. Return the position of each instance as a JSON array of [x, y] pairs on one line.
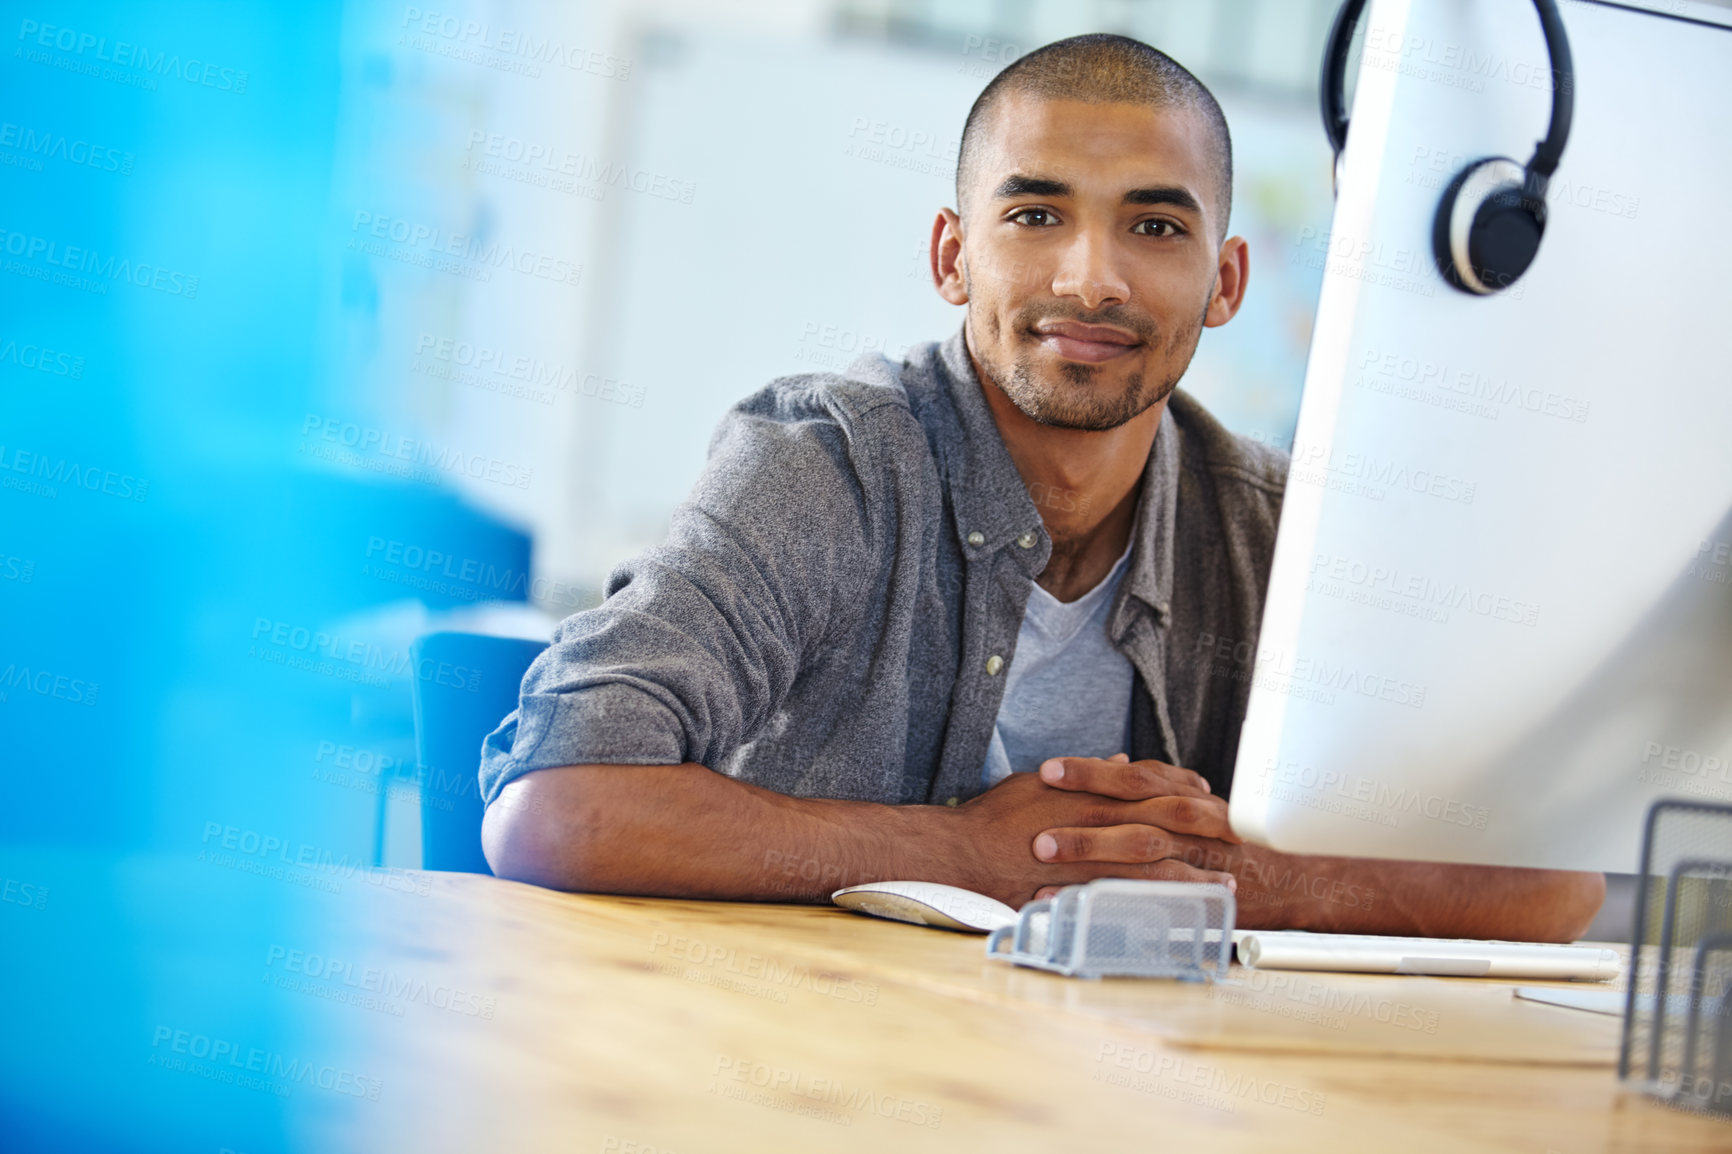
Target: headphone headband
[[1550, 150], [1493, 214]]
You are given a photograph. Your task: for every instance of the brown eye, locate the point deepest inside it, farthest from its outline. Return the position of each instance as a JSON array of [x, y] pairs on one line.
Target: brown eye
[[1147, 227], [1027, 216]]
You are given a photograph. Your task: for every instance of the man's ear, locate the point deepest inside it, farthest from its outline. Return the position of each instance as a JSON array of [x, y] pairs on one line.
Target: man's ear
[[1230, 277], [946, 257]]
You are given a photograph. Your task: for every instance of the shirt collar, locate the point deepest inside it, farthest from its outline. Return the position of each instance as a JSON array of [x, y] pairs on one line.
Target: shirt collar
[[1151, 577], [990, 503], [988, 496]]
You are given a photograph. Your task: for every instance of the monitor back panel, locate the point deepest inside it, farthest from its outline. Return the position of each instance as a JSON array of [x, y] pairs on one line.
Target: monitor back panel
[[1500, 613]]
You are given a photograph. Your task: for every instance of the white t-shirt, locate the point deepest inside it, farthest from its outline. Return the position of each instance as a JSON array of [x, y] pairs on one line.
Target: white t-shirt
[[1067, 692]]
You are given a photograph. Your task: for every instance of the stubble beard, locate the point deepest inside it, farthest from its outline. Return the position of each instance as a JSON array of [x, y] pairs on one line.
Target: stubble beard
[[1075, 401]]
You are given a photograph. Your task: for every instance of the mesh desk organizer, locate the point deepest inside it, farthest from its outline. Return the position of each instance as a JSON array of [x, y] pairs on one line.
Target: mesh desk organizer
[[1677, 1043], [1116, 927]]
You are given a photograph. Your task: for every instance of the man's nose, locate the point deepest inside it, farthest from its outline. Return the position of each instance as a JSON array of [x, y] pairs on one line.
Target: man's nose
[[1088, 272]]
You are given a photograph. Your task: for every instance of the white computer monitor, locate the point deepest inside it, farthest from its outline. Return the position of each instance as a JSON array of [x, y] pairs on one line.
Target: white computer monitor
[[1500, 614]]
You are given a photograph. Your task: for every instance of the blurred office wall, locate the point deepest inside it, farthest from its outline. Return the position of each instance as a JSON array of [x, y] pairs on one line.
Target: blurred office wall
[[713, 196]]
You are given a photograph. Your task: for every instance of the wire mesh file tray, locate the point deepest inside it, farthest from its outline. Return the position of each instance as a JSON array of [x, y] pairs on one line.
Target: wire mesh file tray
[[1677, 1044], [1118, 928]]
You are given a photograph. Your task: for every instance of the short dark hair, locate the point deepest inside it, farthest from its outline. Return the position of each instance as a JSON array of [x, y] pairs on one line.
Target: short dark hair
[[1103, 68]]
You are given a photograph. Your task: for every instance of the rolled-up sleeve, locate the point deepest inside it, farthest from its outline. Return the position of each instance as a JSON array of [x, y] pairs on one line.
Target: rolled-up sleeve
[[697, 641]]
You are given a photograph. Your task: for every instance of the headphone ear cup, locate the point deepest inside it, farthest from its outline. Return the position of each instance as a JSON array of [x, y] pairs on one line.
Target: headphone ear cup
[[1488, 226]]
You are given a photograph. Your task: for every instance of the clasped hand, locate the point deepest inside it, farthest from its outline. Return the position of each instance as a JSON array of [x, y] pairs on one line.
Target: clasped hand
[[1080, 818]]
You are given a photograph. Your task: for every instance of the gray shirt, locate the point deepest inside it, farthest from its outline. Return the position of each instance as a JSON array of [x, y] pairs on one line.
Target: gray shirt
[[1068, 693], [836, 603]]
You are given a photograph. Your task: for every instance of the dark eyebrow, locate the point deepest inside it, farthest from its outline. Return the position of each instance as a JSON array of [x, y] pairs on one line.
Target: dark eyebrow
[[1013, 187], [1177, 197], [1016, 187]]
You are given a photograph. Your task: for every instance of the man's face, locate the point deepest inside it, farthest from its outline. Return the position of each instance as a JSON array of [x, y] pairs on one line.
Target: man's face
[[1089, 256]]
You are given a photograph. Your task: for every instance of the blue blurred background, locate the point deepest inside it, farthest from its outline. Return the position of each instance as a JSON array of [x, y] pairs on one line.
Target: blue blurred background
[[323, 326]]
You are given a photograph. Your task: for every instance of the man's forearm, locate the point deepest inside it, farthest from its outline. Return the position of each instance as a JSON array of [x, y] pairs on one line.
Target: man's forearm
[[1362, 896], [685, 831]]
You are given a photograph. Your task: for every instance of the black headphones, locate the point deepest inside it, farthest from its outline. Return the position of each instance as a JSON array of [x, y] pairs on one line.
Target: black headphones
[[1493, 213]]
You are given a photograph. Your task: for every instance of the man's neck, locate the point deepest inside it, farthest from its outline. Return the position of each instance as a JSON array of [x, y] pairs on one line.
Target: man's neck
[[1084, 484]]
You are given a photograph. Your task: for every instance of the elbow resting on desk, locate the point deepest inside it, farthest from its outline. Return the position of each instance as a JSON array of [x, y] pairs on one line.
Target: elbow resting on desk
[[528, 838], [1579, 897], [685, 831]]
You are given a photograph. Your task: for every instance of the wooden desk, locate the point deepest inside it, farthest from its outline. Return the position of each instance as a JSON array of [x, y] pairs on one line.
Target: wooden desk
[[690, 1027]]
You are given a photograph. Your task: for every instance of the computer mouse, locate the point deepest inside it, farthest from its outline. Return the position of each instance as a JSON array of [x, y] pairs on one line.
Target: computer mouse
[[927, 904]]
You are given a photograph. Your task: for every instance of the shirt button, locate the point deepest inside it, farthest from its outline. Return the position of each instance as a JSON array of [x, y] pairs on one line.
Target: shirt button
[[952, 800], [977, 538], [993, 665], [1027, 540]]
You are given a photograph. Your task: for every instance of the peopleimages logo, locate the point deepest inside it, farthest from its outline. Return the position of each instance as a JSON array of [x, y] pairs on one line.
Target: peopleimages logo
[[1311, 678], [1368, 475], [1434, 168], [231, 1062], [1414, 594], [897, 146], [46, 683], [427, 245], [64, 471], [494, 367], [79, 261], [475, 40], [829, 1091], [1463, 389], [763, 968], [1377, 794], [465, 578], [385, 983], [346, 442], [1713, 562], [1457, 65], [552, 160], [1320, 1002], [1684, 769], [42, 359], [26, 894], [1231, 1088], [89, 46], [369, 771], [42, 144], [274, 856], [1398, 267], [285, 636]]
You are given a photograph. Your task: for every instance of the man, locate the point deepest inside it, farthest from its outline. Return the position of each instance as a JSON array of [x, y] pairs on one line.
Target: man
[[895, 591]]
